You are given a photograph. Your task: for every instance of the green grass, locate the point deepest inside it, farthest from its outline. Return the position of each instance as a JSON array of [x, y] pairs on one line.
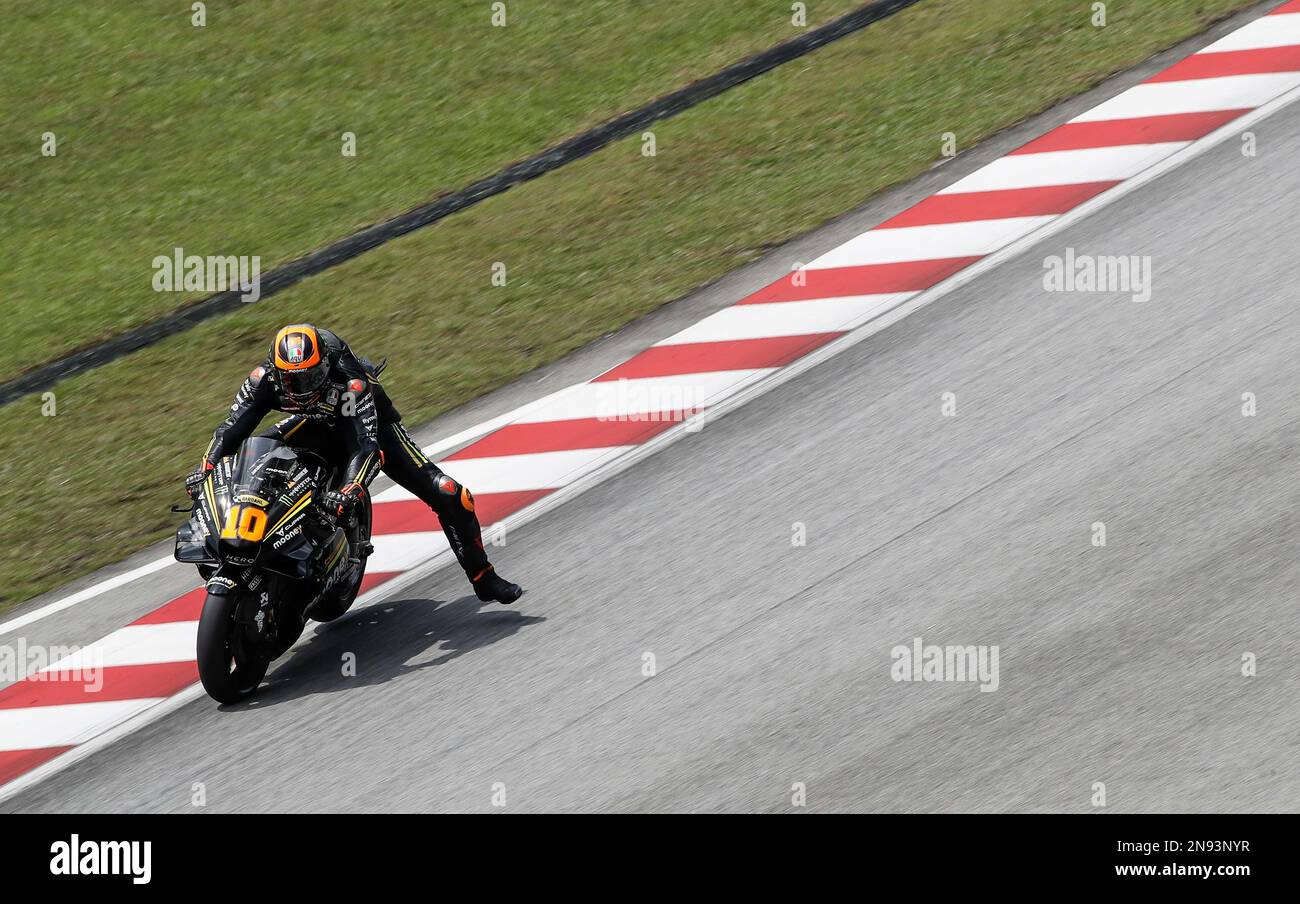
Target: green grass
[[226, 139], [587, 249]]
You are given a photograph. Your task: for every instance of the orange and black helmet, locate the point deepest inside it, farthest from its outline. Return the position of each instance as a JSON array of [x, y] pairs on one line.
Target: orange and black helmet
[[301, 364]]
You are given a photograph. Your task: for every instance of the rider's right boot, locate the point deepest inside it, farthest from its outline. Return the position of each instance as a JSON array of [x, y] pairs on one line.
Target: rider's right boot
[[489, 586]]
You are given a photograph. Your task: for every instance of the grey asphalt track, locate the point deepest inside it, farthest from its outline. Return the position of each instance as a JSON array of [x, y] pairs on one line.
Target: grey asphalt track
[[1119, 664]]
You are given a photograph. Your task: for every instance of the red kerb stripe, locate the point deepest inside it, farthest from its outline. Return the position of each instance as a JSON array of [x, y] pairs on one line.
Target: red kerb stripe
[[868, 279], [187, 607], [995, 205], [1232, 62], [703, 357], [14, 763], [118, 682], [410, 515], [1077, 136]]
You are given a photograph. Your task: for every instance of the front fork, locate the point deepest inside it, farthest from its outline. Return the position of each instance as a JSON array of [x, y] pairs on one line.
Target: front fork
[[254, 608]]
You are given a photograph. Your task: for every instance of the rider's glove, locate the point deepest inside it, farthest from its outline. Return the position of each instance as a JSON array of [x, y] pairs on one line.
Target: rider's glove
[[340, 502], [197, 476]]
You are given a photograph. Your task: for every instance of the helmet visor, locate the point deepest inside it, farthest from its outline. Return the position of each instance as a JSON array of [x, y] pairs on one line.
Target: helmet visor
[[303, 385]]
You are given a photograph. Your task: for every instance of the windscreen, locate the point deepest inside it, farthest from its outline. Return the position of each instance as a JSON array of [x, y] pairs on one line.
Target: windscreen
[[261, 468]]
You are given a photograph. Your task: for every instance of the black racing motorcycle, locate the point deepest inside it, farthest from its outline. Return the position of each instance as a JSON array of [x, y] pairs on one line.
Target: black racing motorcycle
[[272, 560]]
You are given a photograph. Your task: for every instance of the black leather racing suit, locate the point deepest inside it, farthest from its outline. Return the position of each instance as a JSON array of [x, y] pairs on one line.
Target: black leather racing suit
[[354, 424]]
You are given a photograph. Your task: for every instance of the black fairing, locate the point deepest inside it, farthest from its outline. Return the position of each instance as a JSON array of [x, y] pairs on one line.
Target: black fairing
[[270, 488]]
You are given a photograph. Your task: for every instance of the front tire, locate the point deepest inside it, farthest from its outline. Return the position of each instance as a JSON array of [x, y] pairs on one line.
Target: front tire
[[229, 669]]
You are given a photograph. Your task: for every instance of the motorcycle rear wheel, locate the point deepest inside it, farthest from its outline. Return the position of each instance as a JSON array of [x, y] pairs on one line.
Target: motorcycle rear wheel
[[229, 670], [341, 600]]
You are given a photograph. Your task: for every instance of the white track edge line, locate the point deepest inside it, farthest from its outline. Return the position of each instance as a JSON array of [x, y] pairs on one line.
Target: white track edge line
[[81, 596]]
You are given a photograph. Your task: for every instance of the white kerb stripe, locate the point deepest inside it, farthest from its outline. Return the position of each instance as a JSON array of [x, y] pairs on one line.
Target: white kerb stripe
[[784, 318], [974, 238], [402, 552], [1197, 95], [531, 471], [1268, 31], [633, 398], [135, 645], [509, 473], [34, 727], [1110, 164]]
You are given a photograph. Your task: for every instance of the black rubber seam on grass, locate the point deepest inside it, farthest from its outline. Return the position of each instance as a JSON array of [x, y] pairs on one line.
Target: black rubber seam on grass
[[285, 275]]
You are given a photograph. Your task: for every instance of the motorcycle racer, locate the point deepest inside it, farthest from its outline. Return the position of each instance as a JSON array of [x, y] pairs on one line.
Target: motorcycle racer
[[338, 408]]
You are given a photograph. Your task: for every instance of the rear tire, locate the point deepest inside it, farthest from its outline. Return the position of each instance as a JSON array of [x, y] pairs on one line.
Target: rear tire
[[230, 672], [328, 610]]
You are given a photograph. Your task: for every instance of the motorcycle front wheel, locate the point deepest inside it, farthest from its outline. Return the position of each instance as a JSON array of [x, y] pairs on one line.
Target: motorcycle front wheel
[[229, 669]]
